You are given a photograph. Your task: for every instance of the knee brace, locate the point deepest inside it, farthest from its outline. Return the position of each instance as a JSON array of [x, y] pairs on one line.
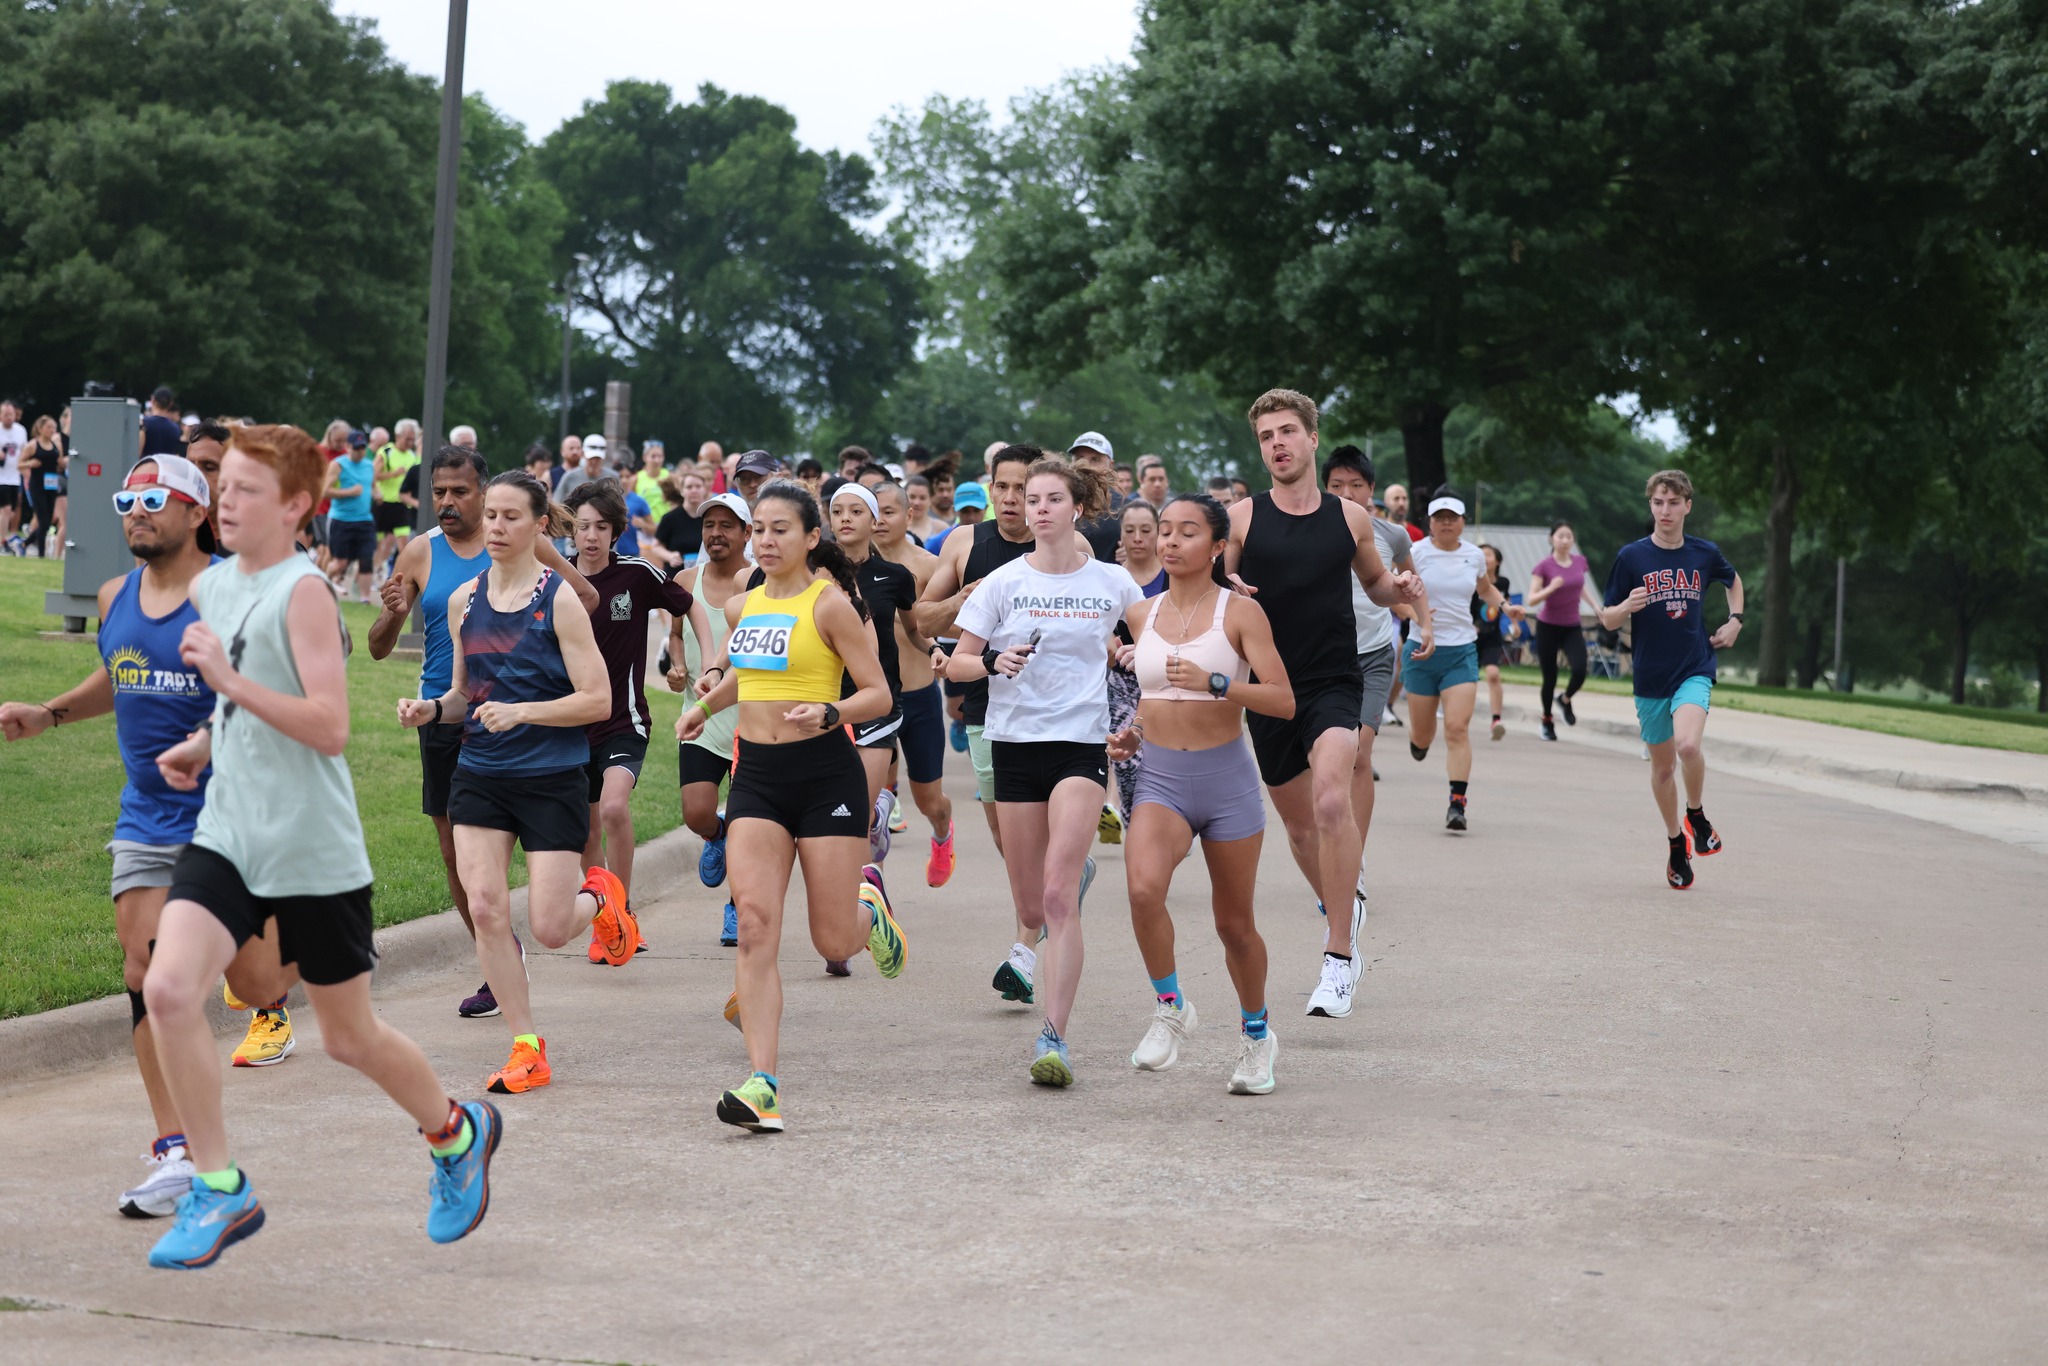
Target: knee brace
[[137, 1009]]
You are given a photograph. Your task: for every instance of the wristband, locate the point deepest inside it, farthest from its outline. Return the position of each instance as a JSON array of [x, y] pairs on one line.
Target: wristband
[[437, 711], [56, 717], [719, 668], [1735, 617], [701, 705], [989, 657]]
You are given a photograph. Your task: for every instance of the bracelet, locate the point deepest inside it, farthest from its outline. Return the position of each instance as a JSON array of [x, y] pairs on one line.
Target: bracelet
[[437, 711], [56, 717], [719, 667], [701, 705]]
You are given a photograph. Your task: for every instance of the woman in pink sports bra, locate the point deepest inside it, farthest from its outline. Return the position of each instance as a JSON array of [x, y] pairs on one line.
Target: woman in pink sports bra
[[1197, 645]]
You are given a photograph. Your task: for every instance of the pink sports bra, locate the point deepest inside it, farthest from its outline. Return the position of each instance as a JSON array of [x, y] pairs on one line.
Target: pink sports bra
[[1210, 652]]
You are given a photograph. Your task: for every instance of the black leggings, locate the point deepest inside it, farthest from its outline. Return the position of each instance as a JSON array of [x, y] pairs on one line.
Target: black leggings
[[1549, 640], [44, 505]]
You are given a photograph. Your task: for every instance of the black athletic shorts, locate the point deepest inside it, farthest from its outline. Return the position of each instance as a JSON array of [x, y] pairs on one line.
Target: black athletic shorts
[[10, 495], [328, 935], [1282, 746], [1492, 652], [353, 542], [545, 812], [393, 517], [440, 747], [881, 732], [1028, 770], [696, 764], [624, 750], [811, 788]]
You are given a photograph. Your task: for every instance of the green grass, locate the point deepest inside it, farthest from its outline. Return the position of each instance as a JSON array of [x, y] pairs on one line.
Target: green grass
[[57, 941], [1981, 727]]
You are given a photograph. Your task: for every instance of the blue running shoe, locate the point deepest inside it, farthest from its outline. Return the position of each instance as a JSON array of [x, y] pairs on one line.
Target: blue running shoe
[[730, 934], [711, 863], [459, 1195], [1051, 1066], [1087, 881], [959, 737], [207, 1222]]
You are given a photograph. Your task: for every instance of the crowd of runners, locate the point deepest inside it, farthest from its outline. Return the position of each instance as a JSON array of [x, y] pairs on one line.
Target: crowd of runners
[[1118, 660]]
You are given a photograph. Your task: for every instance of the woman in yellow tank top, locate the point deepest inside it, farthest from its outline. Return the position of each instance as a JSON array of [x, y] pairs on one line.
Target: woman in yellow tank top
[[798, 788]]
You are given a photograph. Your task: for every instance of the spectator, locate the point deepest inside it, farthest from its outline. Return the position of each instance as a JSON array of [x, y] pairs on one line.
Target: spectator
[[591, 470], [1222, 490], [463, 436], [162, 433]]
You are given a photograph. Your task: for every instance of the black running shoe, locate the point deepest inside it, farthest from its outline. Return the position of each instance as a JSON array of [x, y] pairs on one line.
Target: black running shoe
[[1564, 704], [1416, 752], [1705, 839], [1678, 871], [1454, 819], [1549, 729]]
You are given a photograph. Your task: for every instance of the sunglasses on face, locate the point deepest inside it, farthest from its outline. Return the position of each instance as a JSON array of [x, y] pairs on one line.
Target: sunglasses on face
[[151, 499]]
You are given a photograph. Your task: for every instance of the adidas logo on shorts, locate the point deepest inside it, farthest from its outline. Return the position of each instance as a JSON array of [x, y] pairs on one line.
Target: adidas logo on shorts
[[840, 810]]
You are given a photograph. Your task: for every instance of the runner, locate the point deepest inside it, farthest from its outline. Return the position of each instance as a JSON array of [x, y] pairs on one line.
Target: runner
[[1674, 657], [526, 682], [278, 837], [1055, 610], [629, 591], [1297, 548], [1194, 646], [1492, 647], [886, 588], [1138, 542], [394, 518], [351, 517], [923, 737], [1348, 473], [143, 615], [1555, 587], [430, 568], [972, 552], [1454, 571], [798, 791], [703, 764]]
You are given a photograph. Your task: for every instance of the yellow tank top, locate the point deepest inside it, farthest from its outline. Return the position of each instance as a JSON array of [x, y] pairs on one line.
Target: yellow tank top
[[778, 652]]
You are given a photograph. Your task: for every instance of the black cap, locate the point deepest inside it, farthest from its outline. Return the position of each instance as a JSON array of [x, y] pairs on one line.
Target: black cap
[[358, 438], [757, 462]]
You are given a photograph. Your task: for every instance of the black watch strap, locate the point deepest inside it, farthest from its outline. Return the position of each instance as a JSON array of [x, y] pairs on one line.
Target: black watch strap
[[831, 717], [989, 657], [1735, 616]]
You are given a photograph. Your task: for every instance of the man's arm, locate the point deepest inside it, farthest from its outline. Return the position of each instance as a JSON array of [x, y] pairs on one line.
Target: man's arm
[[93, 696], [939, 605], [398, 594], [1731, 628]]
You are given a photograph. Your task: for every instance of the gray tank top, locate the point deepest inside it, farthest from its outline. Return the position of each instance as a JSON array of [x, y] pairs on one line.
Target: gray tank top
[[283, 813]]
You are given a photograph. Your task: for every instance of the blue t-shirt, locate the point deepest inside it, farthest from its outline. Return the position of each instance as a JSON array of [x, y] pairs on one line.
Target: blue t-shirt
[[357, 473], [158, 701], [629, 539], [1671, 633]]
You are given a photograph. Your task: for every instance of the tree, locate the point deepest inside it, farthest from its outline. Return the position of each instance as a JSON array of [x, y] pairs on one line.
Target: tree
[[733, 280]]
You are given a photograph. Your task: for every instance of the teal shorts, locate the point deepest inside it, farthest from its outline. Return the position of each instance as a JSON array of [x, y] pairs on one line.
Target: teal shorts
[[1446, 667], [982, 752], [1654, 714]]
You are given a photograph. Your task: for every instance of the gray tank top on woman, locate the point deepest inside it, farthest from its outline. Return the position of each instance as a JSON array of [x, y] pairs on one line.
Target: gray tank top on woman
[[283, 813]]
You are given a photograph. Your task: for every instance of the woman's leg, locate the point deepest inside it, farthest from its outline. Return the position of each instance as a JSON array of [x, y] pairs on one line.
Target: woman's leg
[[761, 854], [1158, 841], [1024, 835], [1422, 719], [354, 1036], [1071, 817], [482, 858], [1493, 689], [1233, 869], [1458, 700], [839, 919], [1546, 660], [1575, 655]]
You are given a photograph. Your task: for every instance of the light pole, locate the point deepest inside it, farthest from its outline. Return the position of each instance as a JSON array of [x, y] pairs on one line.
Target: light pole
[[433, 416], [568, 305]]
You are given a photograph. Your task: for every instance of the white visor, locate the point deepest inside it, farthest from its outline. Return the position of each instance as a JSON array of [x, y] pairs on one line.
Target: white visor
[[1446, 504]]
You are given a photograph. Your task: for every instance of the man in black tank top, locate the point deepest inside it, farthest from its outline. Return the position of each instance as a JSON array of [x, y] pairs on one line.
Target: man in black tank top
[[1295, 550]]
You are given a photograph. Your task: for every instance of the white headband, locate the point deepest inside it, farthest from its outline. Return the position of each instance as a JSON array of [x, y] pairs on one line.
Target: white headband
[[1446, 504], [861, 492]]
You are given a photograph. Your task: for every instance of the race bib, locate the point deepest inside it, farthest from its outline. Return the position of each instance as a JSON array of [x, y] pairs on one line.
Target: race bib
[[761, 641], [53, 483]]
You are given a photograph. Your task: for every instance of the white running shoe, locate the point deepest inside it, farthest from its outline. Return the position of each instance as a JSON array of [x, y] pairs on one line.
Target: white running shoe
[[1253, 1075], [1332, 996], [878, 832], [170, 1176], [1160, 1048], [1087, 881]]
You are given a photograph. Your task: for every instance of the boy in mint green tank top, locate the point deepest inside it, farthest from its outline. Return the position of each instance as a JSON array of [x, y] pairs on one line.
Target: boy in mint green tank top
[[279, 839]]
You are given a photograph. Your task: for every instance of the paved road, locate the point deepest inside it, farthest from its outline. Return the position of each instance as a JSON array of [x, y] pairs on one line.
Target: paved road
[[1796, 1114]]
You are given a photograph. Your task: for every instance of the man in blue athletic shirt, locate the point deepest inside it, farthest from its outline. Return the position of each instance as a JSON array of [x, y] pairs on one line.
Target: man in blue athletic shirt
[[156, 701], [1660, 582]]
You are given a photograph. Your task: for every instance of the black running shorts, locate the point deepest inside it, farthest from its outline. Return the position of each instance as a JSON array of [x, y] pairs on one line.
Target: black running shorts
[[696, 764], [880, 733], [811, 788], [1282, 746], [624, 750], [328, 935], [545, 812], [440, 747], [1028, 770]]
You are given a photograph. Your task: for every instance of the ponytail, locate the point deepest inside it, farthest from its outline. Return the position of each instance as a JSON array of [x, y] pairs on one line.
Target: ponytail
[[827, 555]]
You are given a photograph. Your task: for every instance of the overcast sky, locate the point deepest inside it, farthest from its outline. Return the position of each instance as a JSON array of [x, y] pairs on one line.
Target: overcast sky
[[838, 67]]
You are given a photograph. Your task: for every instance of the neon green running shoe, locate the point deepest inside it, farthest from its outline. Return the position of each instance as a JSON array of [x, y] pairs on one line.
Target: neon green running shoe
[[752, 1106], [886, 944]]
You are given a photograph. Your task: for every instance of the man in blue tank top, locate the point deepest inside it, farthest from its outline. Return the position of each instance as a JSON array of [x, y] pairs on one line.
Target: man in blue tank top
[[429, 569], [156, 700]]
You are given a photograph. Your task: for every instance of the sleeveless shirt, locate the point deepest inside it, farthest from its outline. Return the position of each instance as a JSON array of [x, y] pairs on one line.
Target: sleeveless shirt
[[1302, 569], [158, 701], [515, 657]]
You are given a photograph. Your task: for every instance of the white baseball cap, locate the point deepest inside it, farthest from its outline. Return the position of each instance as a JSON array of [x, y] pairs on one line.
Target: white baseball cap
[[175, 473], [593, 444], [732, 503], [1094, 441]]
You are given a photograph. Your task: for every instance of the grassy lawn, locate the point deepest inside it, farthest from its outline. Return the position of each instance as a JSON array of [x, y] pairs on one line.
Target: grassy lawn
[[56, 922], [1937, 721]]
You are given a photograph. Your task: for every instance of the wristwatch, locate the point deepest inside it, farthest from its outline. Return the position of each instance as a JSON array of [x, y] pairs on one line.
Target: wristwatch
[[831, 721], [1219, 684], [989, 657], [1735, 616]]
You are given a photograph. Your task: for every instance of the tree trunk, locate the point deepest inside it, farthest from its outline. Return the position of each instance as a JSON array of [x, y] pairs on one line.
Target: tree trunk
[[1959, 663], [2041, 674], [1809, 655], [1776, 651], [1422, 441]]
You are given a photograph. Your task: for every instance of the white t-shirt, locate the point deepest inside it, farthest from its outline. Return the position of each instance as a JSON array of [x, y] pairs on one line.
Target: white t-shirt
[[1375, 623], [1063, 691], [1452, 577], [12, 438]]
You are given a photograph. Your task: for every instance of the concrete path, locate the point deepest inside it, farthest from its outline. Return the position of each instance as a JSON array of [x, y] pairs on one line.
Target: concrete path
[[1797, 1114]]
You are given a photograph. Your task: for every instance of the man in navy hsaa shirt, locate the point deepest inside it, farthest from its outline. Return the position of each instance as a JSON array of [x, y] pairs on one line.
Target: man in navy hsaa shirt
[[1661, 581]]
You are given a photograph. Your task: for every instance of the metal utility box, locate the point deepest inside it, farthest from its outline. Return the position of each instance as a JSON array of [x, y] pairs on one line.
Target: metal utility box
[[103, 444]]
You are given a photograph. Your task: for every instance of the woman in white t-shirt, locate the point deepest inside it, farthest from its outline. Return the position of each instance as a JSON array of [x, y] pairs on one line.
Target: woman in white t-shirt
[[1454, 572], [1041, 629]]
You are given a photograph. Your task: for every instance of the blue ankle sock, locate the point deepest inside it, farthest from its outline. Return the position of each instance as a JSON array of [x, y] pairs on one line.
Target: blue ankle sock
[[1254, 1025], [769, 1077], [1168, 987]]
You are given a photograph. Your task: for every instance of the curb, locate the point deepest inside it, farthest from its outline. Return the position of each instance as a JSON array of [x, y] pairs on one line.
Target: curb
[[49, 1045], [1777, 757]]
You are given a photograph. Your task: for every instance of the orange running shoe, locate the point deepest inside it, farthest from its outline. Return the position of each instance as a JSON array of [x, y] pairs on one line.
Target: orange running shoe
[[939, 869], [732, 1011], [525, 1070], [618, 934], [596, 946]]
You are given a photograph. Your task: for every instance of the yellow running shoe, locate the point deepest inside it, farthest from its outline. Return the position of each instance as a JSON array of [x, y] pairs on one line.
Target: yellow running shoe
[[732, 1011], [228, 997], [1110, 826], [268, 1041], [886, 944], [752, 1105]]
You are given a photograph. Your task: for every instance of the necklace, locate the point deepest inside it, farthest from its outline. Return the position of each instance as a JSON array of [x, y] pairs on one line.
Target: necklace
[[1185, 618]]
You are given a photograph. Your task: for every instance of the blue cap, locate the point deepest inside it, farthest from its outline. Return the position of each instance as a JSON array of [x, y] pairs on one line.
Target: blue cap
[[970, 496]]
